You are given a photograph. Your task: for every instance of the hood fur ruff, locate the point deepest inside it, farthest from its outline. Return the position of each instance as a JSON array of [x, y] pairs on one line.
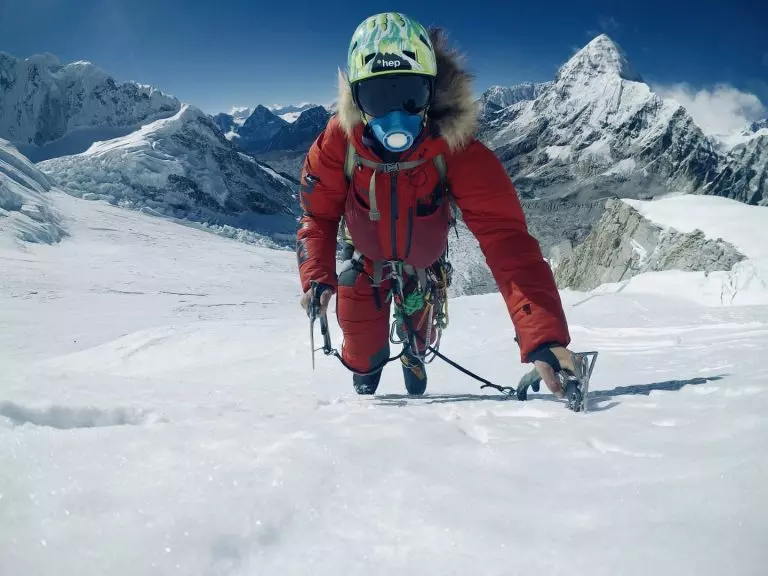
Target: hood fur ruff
[[453, 114]]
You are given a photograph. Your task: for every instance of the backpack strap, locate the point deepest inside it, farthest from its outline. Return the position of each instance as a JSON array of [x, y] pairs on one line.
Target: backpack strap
[[442, 169], [387, 168], [353, 160]]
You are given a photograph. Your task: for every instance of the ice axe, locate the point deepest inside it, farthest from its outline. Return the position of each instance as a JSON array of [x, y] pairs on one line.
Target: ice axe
[[313, 311]]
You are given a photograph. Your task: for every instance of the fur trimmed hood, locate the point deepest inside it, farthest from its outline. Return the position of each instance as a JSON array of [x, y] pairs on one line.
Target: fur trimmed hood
[[453, 114]]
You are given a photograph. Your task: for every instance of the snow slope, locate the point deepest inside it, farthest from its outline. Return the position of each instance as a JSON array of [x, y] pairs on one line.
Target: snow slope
[[744, 226], [159, 416], [25, 212]]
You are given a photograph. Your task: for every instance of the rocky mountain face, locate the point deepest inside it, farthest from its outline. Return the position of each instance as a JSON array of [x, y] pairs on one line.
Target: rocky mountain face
[[225, 122], [743, 173], [181, 167], [624, 244], [25, 211], [43, 101]]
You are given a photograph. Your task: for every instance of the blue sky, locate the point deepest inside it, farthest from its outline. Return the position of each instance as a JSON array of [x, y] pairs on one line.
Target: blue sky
[[220, 53]]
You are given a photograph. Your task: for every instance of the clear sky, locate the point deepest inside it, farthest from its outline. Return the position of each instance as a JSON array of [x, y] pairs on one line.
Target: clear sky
[[220, 53]]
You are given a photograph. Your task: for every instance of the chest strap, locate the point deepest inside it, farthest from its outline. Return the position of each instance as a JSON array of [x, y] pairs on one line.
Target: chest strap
[[353, 160]]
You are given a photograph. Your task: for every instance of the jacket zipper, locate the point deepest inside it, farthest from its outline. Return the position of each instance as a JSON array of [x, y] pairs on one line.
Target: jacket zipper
[[393, 209]]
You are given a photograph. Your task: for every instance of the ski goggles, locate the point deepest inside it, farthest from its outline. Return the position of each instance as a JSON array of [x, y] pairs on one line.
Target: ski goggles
[[380, 95]]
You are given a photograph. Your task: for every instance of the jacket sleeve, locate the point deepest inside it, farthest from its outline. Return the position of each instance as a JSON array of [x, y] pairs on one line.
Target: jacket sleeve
[[323, 190], [491, 210]]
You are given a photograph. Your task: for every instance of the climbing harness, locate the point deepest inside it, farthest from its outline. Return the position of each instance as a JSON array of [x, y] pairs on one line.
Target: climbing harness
[[575, 385]]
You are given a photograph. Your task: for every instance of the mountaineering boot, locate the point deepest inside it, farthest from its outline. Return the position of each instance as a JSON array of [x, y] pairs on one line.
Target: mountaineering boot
[[366, 385], [415, 374]]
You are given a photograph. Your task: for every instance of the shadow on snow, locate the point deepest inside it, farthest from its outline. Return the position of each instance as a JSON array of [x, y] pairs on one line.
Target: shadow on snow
[[595, 396]]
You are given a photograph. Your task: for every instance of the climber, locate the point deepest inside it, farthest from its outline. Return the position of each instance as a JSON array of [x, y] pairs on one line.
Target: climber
[[399, 152]]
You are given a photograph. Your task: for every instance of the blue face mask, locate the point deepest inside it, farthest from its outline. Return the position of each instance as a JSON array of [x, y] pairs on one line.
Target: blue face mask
[[398, 130]]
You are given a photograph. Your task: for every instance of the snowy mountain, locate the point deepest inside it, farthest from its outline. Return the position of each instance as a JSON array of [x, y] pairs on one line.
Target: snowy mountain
[[290, 113], [48, 109], [300, 134], [158, 391], [258, 129], [181, 167], [230, 123], [599, 131], [286, 150], [25, 211]]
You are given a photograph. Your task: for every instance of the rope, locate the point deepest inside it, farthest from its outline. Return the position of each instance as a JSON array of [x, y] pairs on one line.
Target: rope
[[406, 307]]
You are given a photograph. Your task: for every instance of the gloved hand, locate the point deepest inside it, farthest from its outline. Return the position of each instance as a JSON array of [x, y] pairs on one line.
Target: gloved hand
[[551, 359], [323, 292]]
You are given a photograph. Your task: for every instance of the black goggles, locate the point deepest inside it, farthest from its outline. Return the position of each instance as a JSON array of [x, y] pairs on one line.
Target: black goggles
[[381, 95]]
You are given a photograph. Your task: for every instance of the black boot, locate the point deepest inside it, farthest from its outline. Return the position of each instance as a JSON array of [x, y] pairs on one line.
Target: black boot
[[415, 375], [366, 385]]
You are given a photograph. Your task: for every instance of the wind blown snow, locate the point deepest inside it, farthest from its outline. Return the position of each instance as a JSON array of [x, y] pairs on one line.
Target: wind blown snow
[[159, 415]]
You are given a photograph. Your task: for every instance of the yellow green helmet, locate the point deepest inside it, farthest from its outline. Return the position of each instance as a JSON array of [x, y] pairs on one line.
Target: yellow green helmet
[[390, 43]]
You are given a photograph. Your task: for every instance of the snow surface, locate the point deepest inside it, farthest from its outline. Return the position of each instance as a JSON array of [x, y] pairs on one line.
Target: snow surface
[[159, 415]]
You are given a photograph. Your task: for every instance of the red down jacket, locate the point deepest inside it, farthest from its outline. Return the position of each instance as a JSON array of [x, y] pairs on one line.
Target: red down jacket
[[482, 190]]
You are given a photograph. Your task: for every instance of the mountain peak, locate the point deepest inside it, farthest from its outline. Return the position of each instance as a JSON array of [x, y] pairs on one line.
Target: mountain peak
[[601, 56]]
